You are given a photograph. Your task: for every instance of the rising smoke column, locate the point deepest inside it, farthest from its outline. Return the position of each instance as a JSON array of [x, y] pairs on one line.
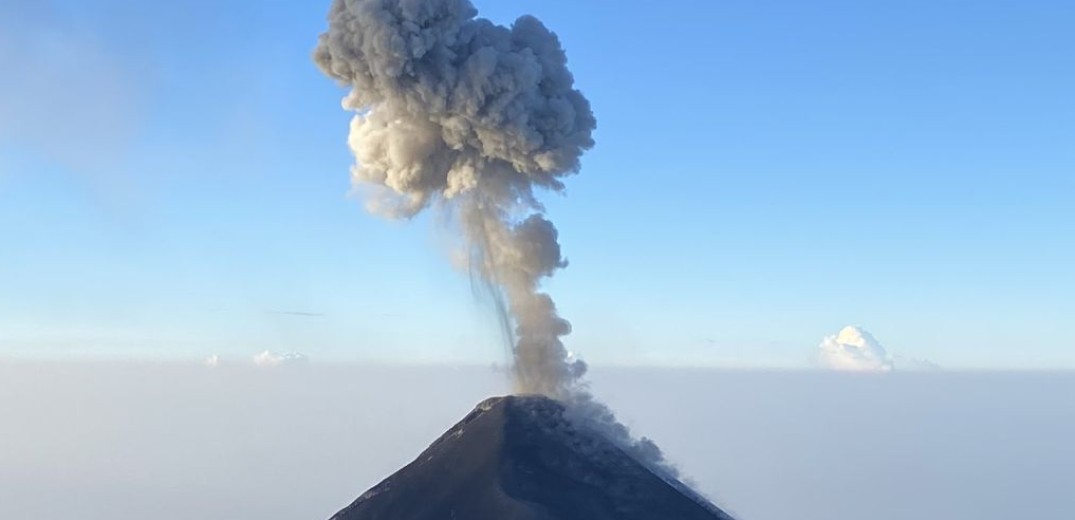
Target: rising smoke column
[[455, 111], [452, 109]]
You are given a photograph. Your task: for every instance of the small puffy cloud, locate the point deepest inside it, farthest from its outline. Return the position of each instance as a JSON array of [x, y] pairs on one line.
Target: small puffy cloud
[[272, 359], [212, 361], [854, 349]]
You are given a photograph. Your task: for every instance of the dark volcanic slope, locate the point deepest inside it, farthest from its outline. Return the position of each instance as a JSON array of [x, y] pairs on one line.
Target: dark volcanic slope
[[517, 457]]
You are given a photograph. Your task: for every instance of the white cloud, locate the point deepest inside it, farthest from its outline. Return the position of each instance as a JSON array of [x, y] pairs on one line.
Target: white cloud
[[854, 349], [272, 359], [212, 361]]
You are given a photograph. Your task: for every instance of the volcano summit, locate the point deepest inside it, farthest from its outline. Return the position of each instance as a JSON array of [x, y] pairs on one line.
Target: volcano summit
[[521, 457]]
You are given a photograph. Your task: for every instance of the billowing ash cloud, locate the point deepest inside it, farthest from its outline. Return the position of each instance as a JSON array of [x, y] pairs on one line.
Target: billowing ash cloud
[[454, 111], [272, 359], [854, 349]]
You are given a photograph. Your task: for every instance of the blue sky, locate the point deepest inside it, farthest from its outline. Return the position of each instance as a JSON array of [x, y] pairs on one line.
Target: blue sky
[[174, 181]]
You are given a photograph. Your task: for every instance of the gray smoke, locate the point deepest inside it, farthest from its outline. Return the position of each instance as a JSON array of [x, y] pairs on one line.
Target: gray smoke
[[454, 111]]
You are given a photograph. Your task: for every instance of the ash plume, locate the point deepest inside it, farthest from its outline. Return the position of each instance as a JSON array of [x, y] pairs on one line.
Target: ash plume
[[456, 112], [453, 109]]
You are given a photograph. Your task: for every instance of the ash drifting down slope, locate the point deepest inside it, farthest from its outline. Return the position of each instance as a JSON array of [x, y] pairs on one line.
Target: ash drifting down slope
[[519, 457]]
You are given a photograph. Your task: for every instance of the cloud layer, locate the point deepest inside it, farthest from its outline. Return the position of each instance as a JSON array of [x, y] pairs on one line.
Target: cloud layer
[[180, 442]]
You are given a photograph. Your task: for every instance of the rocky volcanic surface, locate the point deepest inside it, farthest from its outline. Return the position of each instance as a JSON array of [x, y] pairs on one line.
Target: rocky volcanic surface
[[518, 457]]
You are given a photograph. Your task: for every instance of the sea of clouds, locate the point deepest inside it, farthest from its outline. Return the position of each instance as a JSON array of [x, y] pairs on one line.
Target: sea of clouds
[[300, 440]]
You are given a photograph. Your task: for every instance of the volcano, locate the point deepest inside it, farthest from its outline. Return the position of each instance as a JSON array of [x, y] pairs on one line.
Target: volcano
[[521, 458]]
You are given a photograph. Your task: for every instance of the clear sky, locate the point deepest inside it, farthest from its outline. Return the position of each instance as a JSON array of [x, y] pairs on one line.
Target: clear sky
[[174, 183]]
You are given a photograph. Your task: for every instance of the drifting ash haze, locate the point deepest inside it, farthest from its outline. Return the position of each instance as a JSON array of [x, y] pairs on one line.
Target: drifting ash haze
[[456, 112]]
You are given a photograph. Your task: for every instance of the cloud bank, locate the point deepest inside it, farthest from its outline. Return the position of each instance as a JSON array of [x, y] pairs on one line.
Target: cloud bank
[[178, 442]]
